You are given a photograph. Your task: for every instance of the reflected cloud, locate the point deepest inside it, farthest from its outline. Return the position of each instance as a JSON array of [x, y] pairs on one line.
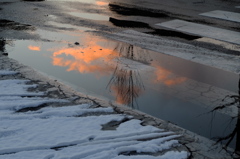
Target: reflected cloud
[[123, 61], [101, 3], [166, 77], [93, 58], [34, 48]]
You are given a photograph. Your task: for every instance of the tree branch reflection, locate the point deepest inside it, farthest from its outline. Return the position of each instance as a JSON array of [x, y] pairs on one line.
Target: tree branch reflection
[[126, 85], [126, 82]]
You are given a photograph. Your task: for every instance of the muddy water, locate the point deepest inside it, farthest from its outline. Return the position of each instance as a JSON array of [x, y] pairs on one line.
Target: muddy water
[[166, 87]]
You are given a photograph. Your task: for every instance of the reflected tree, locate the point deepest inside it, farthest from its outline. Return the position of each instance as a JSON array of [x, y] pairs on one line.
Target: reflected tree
[[127, 85], [235, 101], [2, 45], [126, 82]]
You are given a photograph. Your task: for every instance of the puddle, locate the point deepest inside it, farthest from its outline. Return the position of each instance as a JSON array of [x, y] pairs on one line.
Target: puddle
[[97, 2], [91, 16], [33, 0], [67, 26], [166, 87]]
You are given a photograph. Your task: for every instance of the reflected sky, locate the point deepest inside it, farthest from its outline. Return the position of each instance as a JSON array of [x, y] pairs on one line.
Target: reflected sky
[[34, 48], [97, 2], [90, 16], [166, 77]]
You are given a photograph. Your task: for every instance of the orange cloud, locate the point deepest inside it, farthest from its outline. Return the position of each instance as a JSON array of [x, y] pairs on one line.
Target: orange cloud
[[100, 3], [166, 77], [93, 58], [34, 48]]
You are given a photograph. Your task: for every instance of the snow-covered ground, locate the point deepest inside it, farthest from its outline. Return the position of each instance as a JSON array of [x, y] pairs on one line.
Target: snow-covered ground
[[73, 131], [36, 121]]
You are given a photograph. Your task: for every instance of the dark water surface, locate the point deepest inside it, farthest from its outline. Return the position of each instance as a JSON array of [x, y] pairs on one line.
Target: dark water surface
[[170, 88]]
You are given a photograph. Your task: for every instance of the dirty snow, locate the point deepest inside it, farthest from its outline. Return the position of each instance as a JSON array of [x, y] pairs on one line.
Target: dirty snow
[[73, 131]]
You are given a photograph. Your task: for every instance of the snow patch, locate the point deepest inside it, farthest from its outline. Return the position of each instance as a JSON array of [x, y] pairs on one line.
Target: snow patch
[[6, 72], [17, 87]]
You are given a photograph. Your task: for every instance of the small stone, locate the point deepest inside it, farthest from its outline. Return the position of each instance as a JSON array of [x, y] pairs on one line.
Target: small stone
[[76, 43], [5, 54]]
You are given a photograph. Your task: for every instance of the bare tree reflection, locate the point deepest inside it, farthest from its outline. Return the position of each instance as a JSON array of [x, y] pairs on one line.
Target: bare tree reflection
[[2, 45], [129, 52], [127, 85], [236, 132], [126, 82]]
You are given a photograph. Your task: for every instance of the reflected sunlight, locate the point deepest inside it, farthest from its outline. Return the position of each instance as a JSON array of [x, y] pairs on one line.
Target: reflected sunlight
[[166, 77], [34, 48], [93, 58], [100, 3]]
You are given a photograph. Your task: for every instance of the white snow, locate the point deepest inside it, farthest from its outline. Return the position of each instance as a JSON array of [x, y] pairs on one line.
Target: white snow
[[16, 103], [17, 87], [73, 131], [6, 72]]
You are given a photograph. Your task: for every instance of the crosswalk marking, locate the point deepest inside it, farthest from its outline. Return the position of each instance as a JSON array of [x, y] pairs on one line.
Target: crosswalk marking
[[225, 15], [203, 30]]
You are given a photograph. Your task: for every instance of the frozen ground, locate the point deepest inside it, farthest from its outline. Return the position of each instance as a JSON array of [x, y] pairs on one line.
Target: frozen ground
[[40, 119], [33, 126]]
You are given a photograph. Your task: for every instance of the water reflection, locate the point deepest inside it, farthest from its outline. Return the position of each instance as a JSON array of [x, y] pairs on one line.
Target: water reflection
[[126, 82], [91, 16], [101, 3], [2, 45], [90, 58], [34, 48], [126, 85], [166, 77]]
